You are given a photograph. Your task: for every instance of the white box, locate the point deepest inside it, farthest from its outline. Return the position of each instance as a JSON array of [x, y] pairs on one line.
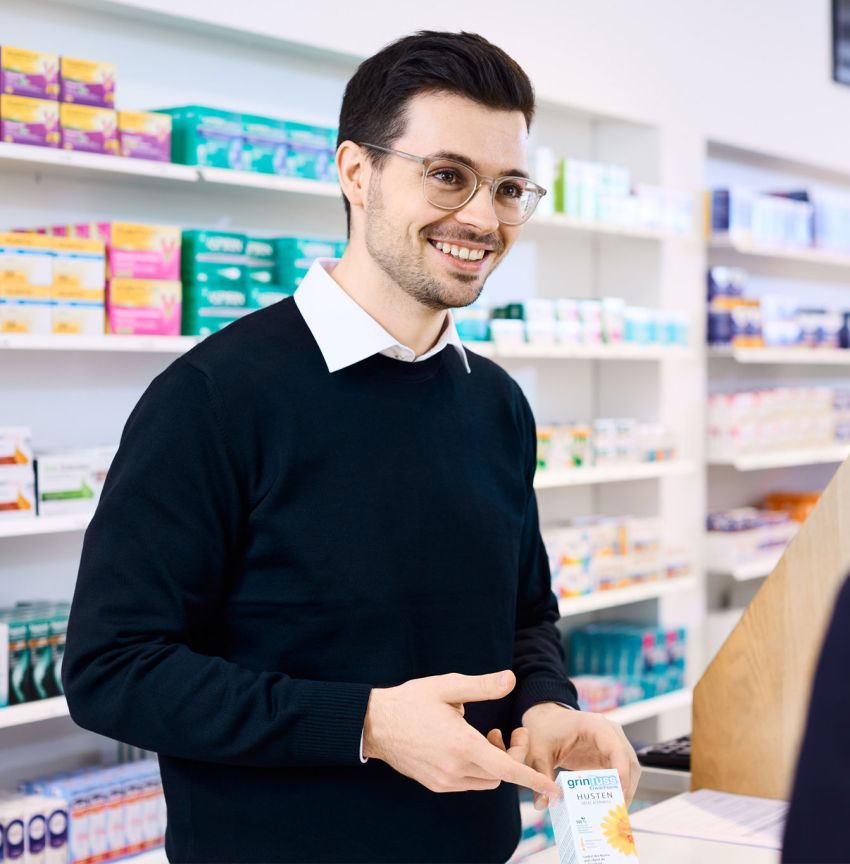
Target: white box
[[71, 481], [591, 821], [17, 492], [15, 446]]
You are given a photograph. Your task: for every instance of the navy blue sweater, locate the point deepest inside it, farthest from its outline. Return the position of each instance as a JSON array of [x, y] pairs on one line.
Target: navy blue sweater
[[273, 541]]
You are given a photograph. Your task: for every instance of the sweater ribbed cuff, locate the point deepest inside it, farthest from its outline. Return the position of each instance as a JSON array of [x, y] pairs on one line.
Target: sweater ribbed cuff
[[330, 730], [533, 691]]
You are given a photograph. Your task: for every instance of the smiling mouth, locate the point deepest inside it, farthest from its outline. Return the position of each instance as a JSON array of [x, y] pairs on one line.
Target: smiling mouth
[[461, 253]]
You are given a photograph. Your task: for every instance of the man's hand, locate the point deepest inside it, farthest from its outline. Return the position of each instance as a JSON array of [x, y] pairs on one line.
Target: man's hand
[[418, 729], [578, 740]]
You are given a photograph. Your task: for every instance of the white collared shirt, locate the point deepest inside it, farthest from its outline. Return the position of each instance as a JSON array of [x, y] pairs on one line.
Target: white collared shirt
[[346, 333]]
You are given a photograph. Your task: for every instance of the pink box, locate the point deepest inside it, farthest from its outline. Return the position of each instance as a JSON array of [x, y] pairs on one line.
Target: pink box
[[143, 307], [89, 130], [137, 251], [144, 135]]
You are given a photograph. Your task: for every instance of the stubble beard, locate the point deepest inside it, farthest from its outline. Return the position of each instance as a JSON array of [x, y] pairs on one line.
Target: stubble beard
[[406, 268]]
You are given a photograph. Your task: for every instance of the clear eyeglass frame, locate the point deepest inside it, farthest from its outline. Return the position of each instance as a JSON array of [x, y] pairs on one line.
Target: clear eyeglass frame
[[480, 180]]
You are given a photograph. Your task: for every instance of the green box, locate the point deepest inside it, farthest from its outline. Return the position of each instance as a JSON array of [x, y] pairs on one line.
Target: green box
[[206, 136], [259, 297], [19, 669], [295, 256], [310, 151], [213, 258], [203, 320], [265, 144], [260, 254]]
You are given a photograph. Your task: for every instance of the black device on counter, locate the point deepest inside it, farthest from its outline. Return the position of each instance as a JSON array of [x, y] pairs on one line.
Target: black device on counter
[[675, 754]]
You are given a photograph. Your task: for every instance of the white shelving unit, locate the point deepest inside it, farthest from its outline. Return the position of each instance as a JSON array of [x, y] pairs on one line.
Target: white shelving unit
[[617, 597], [79, 391], [784, 356], [650, 708], [32, 526], [747, 248], [758, 568], [785, 458], [33, 712]]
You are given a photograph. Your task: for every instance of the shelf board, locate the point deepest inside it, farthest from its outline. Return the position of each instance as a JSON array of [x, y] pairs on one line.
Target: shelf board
[[649, 708], [33, 712], [624, 596], [527, 351], [778, 253], [268, 182], [107, 342], [54, 160], [758, 568], [570, 223], [152, 856], [26, 527], [553, 478], [786, 458], [785, 356]]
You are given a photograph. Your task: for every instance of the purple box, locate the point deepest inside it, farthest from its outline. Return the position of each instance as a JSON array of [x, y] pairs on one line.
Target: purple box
[[28, 73], [29, 121], [88, 130], [86, 82], [144, 135]]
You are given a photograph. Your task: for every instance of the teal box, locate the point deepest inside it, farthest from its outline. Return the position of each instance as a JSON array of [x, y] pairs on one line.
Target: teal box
[[206, 320], [261, 297], [265, 144], [295, 256], [260, 254], [206, 136], [214, 258], [310, 151]]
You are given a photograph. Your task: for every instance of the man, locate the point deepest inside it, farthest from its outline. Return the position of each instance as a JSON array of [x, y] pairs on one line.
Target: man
[[315, 584]]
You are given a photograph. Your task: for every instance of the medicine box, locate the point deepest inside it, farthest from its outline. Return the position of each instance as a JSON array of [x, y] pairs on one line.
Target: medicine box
[[79, 283], [29, 121], [17, 492], [136, 250], [295, 256], [310, 151], [87, 82], [88, 129], [265, 144], [15, 446], [71, 481], [591, 822], [214, 258], [28, 73], [144, 135], [26, 280], [206, 136], [143, 307]]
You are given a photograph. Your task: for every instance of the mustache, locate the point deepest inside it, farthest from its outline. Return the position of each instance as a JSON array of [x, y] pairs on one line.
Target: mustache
[[491, 240]]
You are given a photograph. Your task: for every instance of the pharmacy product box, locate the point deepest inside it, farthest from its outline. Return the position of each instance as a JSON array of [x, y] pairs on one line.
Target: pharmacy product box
[[136, 250], [88, 130], [71, 481], [13, 829], [29, 121], [144, 135], [87, 82], [15, 446], [206, 136], [19, 669], [41, 656], [295, 255], [259, 297], [591, 821], [17, 492], [310, 151], [4, 667], [214, 258], [143, 307], [260, 264], [206, 320], [26, 279], [265, 144], [46, 830], [79, 284], [28, 73]]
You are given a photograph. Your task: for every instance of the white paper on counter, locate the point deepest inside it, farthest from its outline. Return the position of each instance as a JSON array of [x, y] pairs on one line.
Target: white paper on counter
[[719, 816]]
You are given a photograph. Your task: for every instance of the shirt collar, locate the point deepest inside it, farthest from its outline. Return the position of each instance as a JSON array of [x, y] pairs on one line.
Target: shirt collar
[[344, 331]]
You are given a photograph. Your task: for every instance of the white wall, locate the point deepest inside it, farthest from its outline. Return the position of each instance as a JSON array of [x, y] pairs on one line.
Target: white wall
[[755, 73]]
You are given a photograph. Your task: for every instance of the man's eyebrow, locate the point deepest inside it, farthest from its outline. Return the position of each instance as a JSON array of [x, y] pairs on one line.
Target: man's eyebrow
[[458, 157]]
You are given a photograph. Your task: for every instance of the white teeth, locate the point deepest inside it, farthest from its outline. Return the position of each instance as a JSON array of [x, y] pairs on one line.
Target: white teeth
[[462, 252]]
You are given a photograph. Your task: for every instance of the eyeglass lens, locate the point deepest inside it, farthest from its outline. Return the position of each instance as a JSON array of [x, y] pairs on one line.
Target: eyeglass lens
[[449, 185]]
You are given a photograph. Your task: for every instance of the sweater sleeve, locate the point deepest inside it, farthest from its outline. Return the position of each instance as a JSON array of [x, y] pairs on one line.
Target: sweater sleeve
[[539, 662], [156, 563]]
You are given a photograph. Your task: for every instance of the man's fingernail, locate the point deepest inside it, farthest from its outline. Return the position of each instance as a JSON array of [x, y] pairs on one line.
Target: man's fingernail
[[504, 679], [539, 802]]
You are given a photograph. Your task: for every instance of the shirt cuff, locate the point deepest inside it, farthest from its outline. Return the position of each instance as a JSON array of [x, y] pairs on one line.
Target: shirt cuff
[[363, 759]]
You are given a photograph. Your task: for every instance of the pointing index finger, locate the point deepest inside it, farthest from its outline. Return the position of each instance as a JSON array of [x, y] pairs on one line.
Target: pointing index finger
[[500, 765]]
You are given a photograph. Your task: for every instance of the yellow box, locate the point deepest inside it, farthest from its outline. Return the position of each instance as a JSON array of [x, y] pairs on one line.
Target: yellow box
[[145, 307], [145, 123], [89, 129], [29, 121], [79, 286], [87, 82], [26, 281], [29, 73], [134, 237]]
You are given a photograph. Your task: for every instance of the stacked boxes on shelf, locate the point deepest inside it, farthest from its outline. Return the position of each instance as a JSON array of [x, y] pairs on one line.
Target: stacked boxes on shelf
[[32, 645], [542, 321], [615, 664], [17, 481], [214, 138], [227, 275], [68, 102], [599, 553], [99, 813]]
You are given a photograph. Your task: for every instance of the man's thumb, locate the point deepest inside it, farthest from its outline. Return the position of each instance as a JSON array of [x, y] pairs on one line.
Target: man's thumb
[[458, 688]]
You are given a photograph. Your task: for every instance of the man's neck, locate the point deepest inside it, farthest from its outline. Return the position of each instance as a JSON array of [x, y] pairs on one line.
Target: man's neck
[[405, 319]]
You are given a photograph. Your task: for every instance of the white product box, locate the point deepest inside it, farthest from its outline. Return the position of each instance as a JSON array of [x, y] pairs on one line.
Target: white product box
[[591, 821], [17, 492], [71, 481], [15, 445]]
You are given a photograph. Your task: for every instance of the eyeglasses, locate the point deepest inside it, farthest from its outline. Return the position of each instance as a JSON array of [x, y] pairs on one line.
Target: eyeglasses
[[450, 185]]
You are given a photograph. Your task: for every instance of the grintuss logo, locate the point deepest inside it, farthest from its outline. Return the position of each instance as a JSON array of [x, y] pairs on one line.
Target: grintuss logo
[[603, 782]]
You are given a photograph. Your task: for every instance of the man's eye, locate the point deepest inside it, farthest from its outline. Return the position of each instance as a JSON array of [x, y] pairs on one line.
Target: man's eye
[[510, 190], [445, 175]]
